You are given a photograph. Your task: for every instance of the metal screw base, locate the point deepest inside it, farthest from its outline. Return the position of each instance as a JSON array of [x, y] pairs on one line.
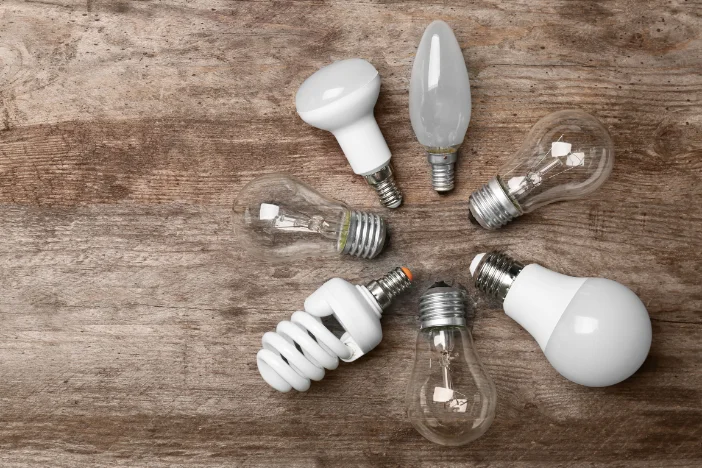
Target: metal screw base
[[384, 184], [367, 234], [495, 274], [443, 305], [442, 170], [491, 207], [386, 288]]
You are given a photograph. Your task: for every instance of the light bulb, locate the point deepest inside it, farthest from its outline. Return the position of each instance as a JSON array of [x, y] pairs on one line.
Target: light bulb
[[300, 349], [278, 216], [340, 98], [593, 331], [439, 101], [450, 398], [567, 155]]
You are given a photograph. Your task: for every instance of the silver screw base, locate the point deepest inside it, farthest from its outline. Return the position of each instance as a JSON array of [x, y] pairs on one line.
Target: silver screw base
[[443, 305], [491, 207], [442, 170], [384, 184], [495, 274], [386, 288], [367, 234]]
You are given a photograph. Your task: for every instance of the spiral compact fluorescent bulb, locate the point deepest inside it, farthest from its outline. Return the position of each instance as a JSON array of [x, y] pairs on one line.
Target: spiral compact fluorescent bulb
[[567, 155], [439, 101], [450, 398], [278, 216], [593, 331], [340, 98], [300, 349]]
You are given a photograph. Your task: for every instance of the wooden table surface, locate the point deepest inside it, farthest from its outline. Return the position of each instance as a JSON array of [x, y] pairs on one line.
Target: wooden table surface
[[130, 317]]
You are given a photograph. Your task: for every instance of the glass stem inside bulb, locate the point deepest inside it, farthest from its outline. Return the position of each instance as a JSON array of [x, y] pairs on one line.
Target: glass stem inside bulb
[[445, 358]]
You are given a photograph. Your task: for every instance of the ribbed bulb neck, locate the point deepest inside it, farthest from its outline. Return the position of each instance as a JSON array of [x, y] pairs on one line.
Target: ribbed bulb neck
[[366, 235], [491, 206], [383, 181], [443, 305], [389, 286], [443, 165], [495, 274]]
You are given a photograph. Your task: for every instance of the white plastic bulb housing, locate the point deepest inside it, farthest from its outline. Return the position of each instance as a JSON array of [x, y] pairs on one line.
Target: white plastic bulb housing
[[567, 155], [340, 98], [439, 101], [594, 331]]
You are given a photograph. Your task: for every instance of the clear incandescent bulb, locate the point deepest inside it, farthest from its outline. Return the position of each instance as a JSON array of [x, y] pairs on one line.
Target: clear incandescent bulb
[[450, 398], [593, 331], [340, 98], [439, 101], [278, 216], [567, 155]]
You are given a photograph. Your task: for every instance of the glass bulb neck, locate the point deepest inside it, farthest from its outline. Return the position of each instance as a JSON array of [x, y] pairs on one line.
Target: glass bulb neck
[[443, 305], [495, 274], [389, 286], [383, 181], [363, 235], [443, 165], [491, 206]]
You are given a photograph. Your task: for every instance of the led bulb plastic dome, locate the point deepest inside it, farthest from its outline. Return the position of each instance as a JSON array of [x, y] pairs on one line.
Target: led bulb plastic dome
[[567, 155], [439, 101], [594, 331], [340, 98]]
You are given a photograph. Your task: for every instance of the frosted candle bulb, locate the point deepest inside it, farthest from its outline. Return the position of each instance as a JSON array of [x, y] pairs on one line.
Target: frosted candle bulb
[[302, 348], [594, 331], [450, 398], [567, 155], [439, 101], [278, 216], [340, 98]]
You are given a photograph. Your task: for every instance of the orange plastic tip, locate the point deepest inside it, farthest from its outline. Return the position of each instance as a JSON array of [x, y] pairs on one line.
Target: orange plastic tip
[[408, 273]]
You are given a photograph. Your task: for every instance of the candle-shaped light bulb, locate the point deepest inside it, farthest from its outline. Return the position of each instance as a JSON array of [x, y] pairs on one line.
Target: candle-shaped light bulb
[[439, 101]]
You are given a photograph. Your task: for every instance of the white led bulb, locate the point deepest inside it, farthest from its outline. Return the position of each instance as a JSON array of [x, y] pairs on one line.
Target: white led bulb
[[594, 331]]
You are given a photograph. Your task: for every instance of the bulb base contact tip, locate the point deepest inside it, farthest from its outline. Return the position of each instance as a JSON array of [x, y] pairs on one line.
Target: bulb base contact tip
[[383, 181], [443, 305], [389, 286], [491, 207], [443, 172], [494, 273], [366, 235]]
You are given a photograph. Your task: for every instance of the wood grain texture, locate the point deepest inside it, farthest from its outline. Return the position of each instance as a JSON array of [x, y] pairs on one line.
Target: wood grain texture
[[131, 318]]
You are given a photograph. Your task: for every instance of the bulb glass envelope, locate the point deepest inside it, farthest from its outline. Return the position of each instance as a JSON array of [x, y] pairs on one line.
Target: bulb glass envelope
[[450, 398], [279, 216], [567, 155], [439, 102]]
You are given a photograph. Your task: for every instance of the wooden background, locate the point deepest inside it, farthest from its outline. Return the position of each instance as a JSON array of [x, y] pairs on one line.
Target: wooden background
[[130, 318]]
